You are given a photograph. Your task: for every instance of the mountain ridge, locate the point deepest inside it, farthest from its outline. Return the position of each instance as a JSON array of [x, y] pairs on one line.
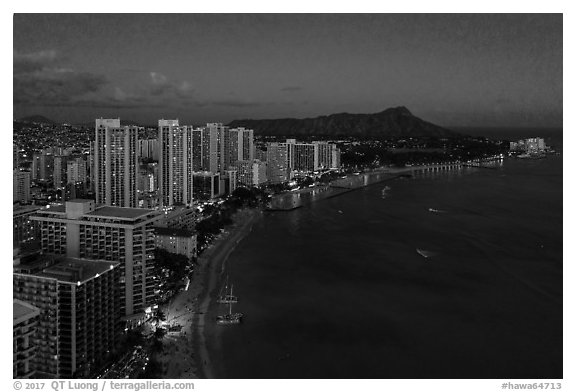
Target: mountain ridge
[[397, 122]]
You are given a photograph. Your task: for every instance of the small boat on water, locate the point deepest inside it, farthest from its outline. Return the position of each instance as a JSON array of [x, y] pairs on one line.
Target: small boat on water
[[226, 298]]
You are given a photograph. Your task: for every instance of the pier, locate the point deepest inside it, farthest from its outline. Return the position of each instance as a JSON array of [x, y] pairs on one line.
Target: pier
[[435, 168]]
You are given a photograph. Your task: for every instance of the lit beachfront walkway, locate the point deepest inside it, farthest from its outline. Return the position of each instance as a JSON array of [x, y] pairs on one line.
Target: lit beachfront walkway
[[185, 352]]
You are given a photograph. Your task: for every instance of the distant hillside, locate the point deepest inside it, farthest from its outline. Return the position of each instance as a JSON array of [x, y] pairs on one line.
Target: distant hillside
[[393, 122], [36, 119]]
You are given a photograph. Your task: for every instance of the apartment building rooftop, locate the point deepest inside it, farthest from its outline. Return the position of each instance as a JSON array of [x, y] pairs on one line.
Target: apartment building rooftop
[[119, 212], [75, 270], [84, 208], [23, 209], [23, 311]]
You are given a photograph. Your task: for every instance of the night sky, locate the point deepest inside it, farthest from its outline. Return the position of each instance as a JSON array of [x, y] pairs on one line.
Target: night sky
[[463, 70]]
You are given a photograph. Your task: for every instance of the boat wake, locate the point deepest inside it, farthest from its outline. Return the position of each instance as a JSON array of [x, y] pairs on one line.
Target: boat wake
[[426, 253], [384, 190]]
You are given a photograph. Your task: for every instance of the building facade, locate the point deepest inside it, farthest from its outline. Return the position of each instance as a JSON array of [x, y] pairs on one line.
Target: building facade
[[178, 241], [21, 186], [126, 235], [26, 232], [178, 218], [206, 185], [60, 167], [24, 325], [215, 147], [278, 167], [241, 145], [79, 316], [76, 171], [149, 148], [251, 173]]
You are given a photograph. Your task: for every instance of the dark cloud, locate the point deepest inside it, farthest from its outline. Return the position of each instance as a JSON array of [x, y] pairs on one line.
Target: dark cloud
[[160, 85], [39, 80], [55, 86], [30, 62]]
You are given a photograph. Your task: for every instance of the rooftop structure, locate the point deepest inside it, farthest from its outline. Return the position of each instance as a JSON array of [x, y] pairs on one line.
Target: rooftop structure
[[23, 311]]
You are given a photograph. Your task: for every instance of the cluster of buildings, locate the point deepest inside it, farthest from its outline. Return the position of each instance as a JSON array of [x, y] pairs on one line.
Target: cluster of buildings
[[65, 169], [83, 268], [534, 145], [181, 165]]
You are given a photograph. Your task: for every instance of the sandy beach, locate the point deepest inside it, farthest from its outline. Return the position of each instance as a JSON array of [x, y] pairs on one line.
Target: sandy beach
[[185, 353]]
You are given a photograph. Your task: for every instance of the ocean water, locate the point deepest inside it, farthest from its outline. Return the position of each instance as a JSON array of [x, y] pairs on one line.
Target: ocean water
[[337, 289]]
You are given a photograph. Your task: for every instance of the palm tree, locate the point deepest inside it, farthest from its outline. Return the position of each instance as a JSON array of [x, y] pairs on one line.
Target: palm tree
[[159, 316], [159, 333]]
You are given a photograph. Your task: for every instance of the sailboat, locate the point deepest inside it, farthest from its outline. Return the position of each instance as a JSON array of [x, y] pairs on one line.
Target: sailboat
[[225, 297], [229, 318]]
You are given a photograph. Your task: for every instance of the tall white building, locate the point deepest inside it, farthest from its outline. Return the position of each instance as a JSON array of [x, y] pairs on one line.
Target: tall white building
[[21, 186], [60, 168], [241, 145], [43, 165], [278, 169], [215, 147], [303, 158], [251, 173], [76, 170], [335, 157], [322, 155], [116, 164], [197, 150], [176, 163]]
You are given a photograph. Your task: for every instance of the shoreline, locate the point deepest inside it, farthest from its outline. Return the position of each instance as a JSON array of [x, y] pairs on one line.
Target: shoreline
[[192, 349], [350, 183]]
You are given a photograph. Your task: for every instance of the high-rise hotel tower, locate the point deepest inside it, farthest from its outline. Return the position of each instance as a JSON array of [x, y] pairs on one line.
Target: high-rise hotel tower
[[116, 163], [176, 163]]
